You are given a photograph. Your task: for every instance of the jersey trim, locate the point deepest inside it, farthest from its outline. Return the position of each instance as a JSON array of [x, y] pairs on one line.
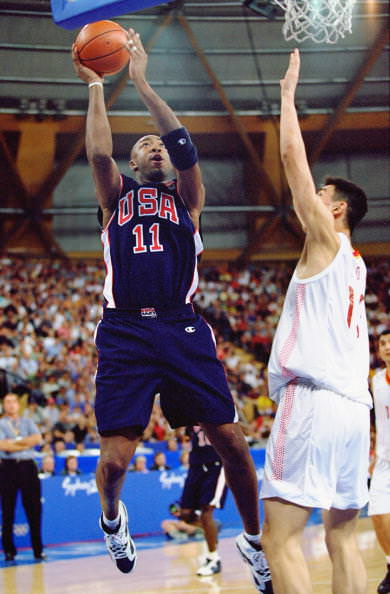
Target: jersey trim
[[109, 280], [343, 241], [277, 463], [219, 490], [292, 337]]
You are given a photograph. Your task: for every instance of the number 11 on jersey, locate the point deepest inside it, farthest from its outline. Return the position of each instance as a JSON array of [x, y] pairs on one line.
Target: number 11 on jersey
[[154, 231]]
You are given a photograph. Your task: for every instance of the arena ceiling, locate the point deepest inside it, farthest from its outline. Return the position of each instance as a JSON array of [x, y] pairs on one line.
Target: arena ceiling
[[218, 64]]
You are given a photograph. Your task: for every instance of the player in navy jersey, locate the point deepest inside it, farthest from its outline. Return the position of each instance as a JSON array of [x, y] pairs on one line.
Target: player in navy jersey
[[149, 339], [204, 489]]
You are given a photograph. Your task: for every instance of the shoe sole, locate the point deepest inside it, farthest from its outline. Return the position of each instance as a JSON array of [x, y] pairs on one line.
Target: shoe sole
[[125, 568]]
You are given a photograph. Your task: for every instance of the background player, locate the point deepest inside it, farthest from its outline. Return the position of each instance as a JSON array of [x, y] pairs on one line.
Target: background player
[[318, 451], [149, 339], [379, 505], [204, 489]]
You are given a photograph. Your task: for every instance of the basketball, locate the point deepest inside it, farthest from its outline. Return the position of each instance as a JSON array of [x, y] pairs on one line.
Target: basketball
[[101, 46]]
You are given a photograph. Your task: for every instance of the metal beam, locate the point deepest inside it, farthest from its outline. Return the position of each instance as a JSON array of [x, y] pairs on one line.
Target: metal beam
[[124, 78], [22, 194], [333, 121], [264, 179], [266, 228]]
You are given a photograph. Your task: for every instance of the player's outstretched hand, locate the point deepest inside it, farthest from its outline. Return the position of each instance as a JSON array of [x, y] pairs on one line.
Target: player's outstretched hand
[[289, 83], [138, 56], [86, 74]]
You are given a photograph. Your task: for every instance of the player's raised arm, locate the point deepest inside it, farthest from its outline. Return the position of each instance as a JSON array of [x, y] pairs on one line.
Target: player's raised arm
[[178, 142], [308, 207], [99, 140]]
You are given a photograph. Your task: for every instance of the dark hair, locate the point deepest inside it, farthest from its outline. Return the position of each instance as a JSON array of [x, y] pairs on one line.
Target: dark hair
[[353, 195], [174, 507], [384, 333]]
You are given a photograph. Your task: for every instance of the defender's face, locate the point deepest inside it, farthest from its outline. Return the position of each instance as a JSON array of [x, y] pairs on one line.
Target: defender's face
[[150, 159], [326, 195], [384, 348]]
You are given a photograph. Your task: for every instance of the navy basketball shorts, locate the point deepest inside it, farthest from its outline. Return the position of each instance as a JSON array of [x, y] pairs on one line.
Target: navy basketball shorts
[[145, 352], [205, 485]]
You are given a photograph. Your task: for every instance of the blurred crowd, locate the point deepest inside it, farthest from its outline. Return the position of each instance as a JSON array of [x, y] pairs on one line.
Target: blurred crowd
[[49, 310]]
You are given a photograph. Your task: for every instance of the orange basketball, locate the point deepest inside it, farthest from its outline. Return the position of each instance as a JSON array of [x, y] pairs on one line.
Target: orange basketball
[[101, 46]]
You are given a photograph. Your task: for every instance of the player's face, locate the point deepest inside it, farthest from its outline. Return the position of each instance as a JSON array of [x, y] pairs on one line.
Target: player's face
[[384, 348], [150, 159], [326, 195]]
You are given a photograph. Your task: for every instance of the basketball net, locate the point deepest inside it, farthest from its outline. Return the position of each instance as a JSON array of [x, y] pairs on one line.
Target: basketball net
[[323, 21]]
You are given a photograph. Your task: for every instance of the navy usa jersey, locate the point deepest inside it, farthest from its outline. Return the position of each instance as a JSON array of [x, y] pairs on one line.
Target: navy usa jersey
[[150, 248], [202, 452]]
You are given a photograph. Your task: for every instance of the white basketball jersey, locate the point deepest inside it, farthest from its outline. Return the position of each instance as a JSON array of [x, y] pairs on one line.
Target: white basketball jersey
[[322, 335], [381, 390]]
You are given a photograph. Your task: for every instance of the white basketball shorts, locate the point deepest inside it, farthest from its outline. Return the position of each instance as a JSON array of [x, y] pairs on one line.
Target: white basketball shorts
[[379, 502], [318, 451]]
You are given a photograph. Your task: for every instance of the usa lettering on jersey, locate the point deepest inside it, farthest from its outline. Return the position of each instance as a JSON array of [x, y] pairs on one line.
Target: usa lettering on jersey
[[144, 202]]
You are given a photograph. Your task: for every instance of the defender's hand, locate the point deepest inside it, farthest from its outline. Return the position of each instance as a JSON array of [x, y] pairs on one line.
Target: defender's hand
[[138, 56], [289, 83]]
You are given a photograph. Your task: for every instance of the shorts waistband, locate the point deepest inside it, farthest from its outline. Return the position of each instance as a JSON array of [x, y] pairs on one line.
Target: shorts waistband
[[175, 312]]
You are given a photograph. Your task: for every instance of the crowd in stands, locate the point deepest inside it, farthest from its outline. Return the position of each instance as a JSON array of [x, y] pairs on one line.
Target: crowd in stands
[[49, 310]]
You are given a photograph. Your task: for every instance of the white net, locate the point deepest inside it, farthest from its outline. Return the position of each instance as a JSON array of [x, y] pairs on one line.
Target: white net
[[323, 21]]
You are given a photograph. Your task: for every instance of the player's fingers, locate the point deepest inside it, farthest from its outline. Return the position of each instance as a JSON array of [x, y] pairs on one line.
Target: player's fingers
[[132, 43], [132, 48], [75, 55], [295, 57], [140, 44]]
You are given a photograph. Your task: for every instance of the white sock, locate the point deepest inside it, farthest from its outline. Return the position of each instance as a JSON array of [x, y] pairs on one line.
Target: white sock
[[213, 556], [111, 524], [253, 538]]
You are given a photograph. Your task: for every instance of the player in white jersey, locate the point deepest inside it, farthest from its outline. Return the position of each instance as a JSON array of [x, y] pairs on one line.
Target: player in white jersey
[[318, 451], [379, 505]]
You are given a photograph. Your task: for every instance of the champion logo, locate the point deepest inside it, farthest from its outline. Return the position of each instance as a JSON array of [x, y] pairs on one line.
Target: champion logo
[[189, 329], [182, 141]]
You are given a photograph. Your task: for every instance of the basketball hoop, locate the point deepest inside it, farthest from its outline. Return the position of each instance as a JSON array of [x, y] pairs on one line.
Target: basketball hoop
[[323, 21]]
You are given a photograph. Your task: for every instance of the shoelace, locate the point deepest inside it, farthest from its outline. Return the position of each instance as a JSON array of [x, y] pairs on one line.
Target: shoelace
[[118, 545], [260, 564]]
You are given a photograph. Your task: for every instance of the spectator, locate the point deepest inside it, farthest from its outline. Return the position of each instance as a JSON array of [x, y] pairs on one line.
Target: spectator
[[184, 460], [160, 462], [92, 439], [80, 429], [35, 412], [71, 467], [59, 447], [47, 467], [172, 445], [140, 465], [180, 530]]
